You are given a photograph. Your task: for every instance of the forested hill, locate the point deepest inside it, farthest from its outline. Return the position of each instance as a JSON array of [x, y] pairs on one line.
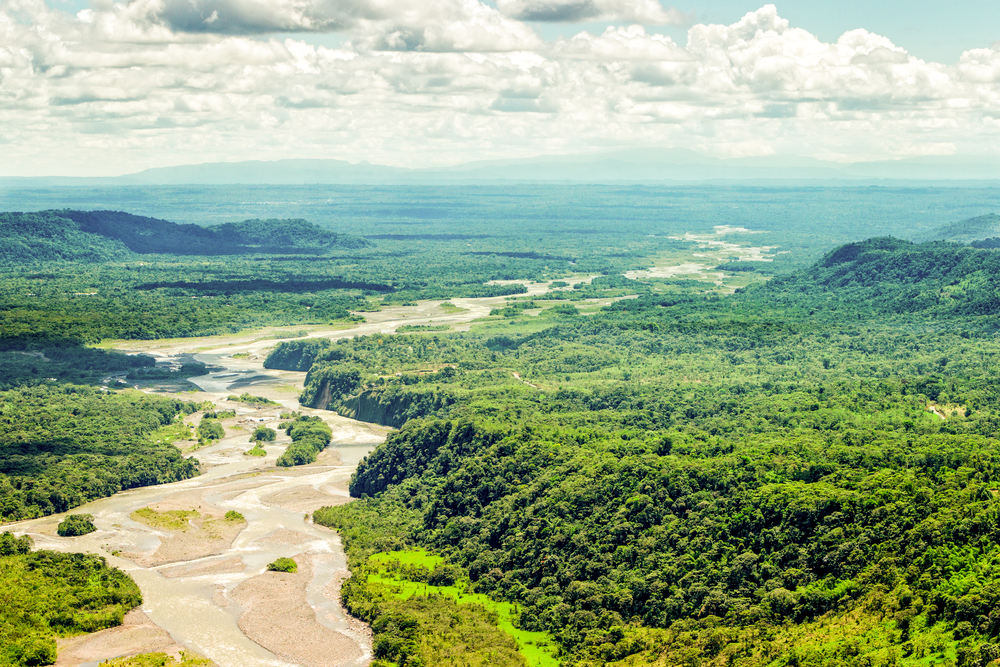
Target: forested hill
[[108, 235], [965, 231], [805, 473], [887, 275]]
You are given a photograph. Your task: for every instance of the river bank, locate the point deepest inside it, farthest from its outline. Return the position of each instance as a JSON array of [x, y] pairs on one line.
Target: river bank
[[189, 571], [204, 582]]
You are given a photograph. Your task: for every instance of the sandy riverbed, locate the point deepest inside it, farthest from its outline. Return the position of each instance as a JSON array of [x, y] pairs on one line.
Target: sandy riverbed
[[205, 586], [190, 572], [137, 634], [276, 615]]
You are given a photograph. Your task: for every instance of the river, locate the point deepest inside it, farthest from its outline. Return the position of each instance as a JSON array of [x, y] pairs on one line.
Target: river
[[208, 591]]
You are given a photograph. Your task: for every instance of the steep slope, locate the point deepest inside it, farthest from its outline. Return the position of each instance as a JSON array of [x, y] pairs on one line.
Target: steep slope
[[804, 473]]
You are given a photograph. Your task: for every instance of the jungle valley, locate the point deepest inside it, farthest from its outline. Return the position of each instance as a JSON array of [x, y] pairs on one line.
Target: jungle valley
[[616, 426]]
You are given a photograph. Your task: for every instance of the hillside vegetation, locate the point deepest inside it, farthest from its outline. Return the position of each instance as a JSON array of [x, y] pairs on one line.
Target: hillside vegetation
[[46, 595], [966, 231], [66, 445], [114, 235], [804, 473]]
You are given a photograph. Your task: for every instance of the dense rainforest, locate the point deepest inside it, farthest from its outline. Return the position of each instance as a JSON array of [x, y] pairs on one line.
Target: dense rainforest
[[45, 595], [802, 473], [64, 445]]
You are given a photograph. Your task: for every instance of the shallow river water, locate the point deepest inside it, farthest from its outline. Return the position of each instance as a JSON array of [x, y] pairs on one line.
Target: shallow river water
[[196, 609], [190, 590], [214, 597], [191, 596]]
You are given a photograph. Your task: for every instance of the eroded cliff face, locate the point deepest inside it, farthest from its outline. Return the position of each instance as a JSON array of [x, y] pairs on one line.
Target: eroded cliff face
[[391, 406], [374, 407], [323, 398]]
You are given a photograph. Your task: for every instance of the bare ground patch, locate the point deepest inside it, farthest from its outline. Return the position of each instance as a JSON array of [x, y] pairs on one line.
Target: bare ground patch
[[137, 634], [285, 536], [277, 616], [306, 499], [229, 566], [190, 528]]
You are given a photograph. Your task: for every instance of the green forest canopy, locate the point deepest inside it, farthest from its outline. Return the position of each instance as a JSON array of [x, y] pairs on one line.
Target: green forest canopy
[[679, 478], [64, 445], [690, 472], [48, 595]]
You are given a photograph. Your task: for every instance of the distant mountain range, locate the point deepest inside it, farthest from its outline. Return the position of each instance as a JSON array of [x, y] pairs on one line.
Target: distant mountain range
[[636, 166]]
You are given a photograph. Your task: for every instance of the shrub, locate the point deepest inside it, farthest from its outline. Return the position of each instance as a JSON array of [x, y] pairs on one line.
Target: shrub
[[297, 454], [75, 525], [14, 546], [211, 430], [264, 433], [283, 565], [256, 450]]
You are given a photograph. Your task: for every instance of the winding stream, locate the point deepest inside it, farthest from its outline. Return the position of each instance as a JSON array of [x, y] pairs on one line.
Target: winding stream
[[191, 595], [206, 588], [213, 597]]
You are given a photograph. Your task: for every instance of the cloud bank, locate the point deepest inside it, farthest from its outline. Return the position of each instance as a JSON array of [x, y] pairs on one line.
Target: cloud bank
[[648, 12], [124, 86]]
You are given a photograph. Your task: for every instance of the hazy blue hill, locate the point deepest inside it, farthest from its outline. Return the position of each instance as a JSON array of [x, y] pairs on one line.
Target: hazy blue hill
[[966, 231], [663, 164], [30, 237], [144, 235], [277, 236], [289, 172], [105, 235]]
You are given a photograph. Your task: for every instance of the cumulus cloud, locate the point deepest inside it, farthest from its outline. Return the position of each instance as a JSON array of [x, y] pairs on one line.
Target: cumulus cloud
[[454, 25], [980, 66], [621, 44], [249, 17], [120, 88], [649, 12]]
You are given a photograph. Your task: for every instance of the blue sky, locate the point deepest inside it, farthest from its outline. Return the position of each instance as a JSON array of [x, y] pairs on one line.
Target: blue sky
[[929, 30], [116, 86]]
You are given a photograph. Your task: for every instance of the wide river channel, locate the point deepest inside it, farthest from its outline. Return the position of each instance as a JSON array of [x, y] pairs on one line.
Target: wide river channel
[[205, 586]]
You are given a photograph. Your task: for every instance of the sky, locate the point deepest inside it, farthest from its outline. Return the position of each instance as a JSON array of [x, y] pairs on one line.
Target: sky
[[105, 87]]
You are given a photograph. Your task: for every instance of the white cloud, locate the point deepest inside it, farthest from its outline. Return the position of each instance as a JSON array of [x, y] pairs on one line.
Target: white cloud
[[648, 12], [980, 66], [253, 16], [629, 44], [119, 88], [453, 25]]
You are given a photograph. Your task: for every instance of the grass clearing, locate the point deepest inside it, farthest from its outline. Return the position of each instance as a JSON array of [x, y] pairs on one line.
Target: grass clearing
[[168, 520], [536, 647], [449, 307], [188, 659], [168, 435]]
